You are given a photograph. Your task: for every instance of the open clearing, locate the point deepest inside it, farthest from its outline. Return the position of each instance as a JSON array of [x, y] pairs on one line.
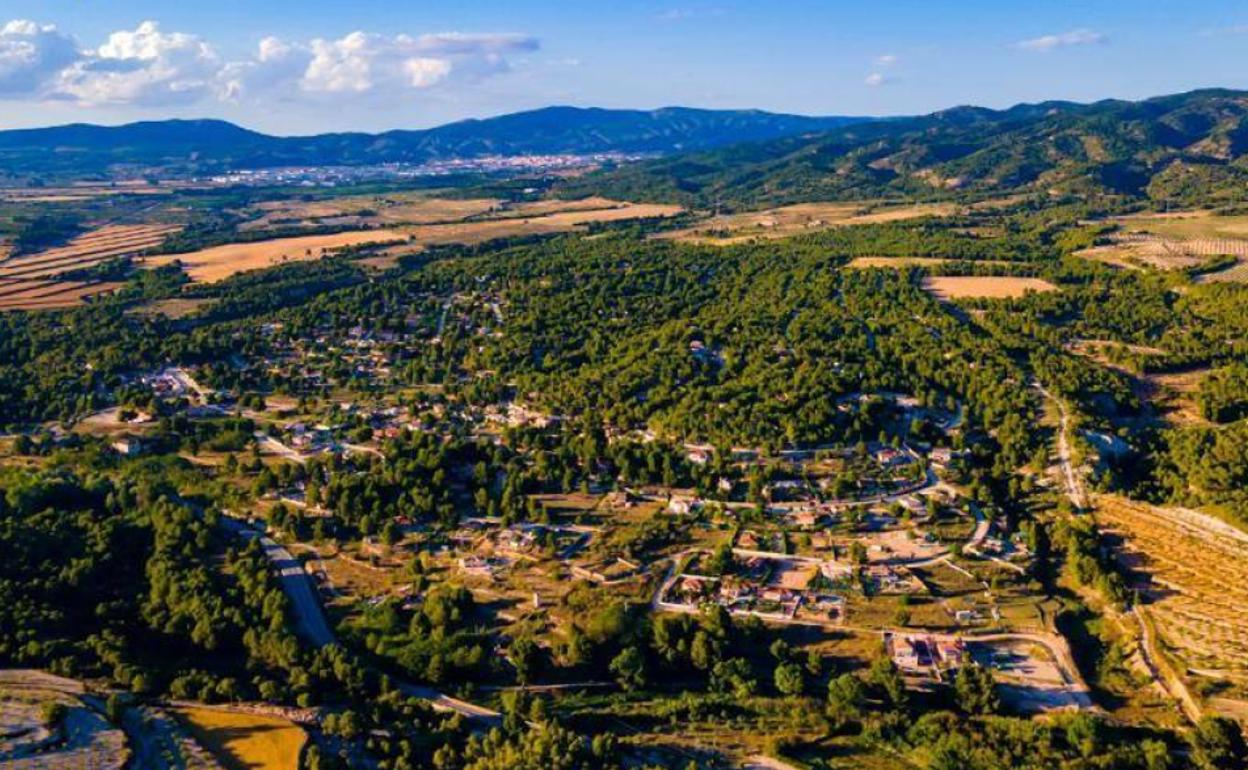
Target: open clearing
[[1192, 572], [220, 262], [245, 741], [35, 281], [82, 739], [802, 217], [949, 287], [1177, 241]]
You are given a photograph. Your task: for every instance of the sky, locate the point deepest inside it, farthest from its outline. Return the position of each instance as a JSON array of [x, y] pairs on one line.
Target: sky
[[312, 66]]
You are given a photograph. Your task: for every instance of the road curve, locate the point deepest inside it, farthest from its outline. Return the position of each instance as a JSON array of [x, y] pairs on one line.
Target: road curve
[[311, 624]]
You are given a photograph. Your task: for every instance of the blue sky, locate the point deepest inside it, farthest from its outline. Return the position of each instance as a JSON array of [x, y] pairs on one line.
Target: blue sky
[[315, 65]]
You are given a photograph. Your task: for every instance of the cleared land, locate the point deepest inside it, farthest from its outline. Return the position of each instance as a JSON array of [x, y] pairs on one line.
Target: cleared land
[[1177, 241], [81, 739], [35, 281], [950, 287], [220, 262], [245, 741], [1192, 575], [802, 217], [366, 211]]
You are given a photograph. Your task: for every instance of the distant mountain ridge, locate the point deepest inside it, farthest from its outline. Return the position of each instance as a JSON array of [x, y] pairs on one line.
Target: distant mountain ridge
[[1190, 147], [215, 145]]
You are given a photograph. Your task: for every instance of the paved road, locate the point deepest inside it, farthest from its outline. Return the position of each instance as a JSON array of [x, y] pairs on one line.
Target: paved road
[[309, 618], [311, 624]]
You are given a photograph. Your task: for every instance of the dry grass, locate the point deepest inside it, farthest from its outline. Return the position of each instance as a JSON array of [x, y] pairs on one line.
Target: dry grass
[[220, 262], [1172, 395], [949, 287], [173, 308], [366, 210], [802, 217], [544, 217], [86, 250], [862, 263], [43, 295], [1196, 587], [1177, 241], [244, 741]]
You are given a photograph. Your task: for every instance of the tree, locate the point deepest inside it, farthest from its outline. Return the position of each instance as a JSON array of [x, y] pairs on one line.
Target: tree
[[526, 657], [789, 679], [845, 696], [1218, 744], [629, 668], [974, 689]]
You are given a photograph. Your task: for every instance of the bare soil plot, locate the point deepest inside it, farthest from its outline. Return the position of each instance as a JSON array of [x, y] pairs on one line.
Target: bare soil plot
[[949, 287], [82, 739], [245, 741], [1192, 572], [802, 217]]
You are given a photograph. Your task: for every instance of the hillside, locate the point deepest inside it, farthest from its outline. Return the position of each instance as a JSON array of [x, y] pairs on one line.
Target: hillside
[[212, 145], [1183, 148]]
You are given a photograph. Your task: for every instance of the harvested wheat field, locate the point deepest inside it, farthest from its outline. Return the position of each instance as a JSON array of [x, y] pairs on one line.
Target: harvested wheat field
[[50, 295], [1193, 571], [950, 287], [87, 250], [802, 217], [366, 211], [245, 741], [220, 262]]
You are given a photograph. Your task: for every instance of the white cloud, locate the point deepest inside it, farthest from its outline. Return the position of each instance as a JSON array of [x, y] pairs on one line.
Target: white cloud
[[886, 60], [876, 79], [1046, 43], [362, 63], [150, 67], [145, 67], [31, 56]]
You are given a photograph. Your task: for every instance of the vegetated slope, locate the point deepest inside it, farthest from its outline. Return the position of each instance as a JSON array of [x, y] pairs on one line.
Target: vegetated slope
[[206, 145], [1182, 148]]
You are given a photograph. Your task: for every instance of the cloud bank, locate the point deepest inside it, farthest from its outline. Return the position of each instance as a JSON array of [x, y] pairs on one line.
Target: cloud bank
[[1048, 43], [148, 67]]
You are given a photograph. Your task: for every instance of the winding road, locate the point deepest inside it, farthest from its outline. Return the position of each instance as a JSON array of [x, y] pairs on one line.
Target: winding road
[[311, 625]]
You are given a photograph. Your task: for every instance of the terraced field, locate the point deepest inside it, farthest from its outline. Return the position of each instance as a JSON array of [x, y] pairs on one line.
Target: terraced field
[[1192, 572], [35, 281]]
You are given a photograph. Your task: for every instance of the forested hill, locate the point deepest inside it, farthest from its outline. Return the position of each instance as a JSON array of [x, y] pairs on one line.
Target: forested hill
[[218, 145], [1185, 148]]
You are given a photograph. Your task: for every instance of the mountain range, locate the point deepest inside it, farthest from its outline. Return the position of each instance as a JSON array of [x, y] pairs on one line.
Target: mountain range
[[213, 145], [1186, 148]]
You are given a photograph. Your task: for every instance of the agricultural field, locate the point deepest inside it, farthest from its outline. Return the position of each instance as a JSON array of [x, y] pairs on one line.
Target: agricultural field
[[245, 741], [1189, 570], [34, 281], [1176, 241], [946, 288], [220, 262], [785, 221]]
